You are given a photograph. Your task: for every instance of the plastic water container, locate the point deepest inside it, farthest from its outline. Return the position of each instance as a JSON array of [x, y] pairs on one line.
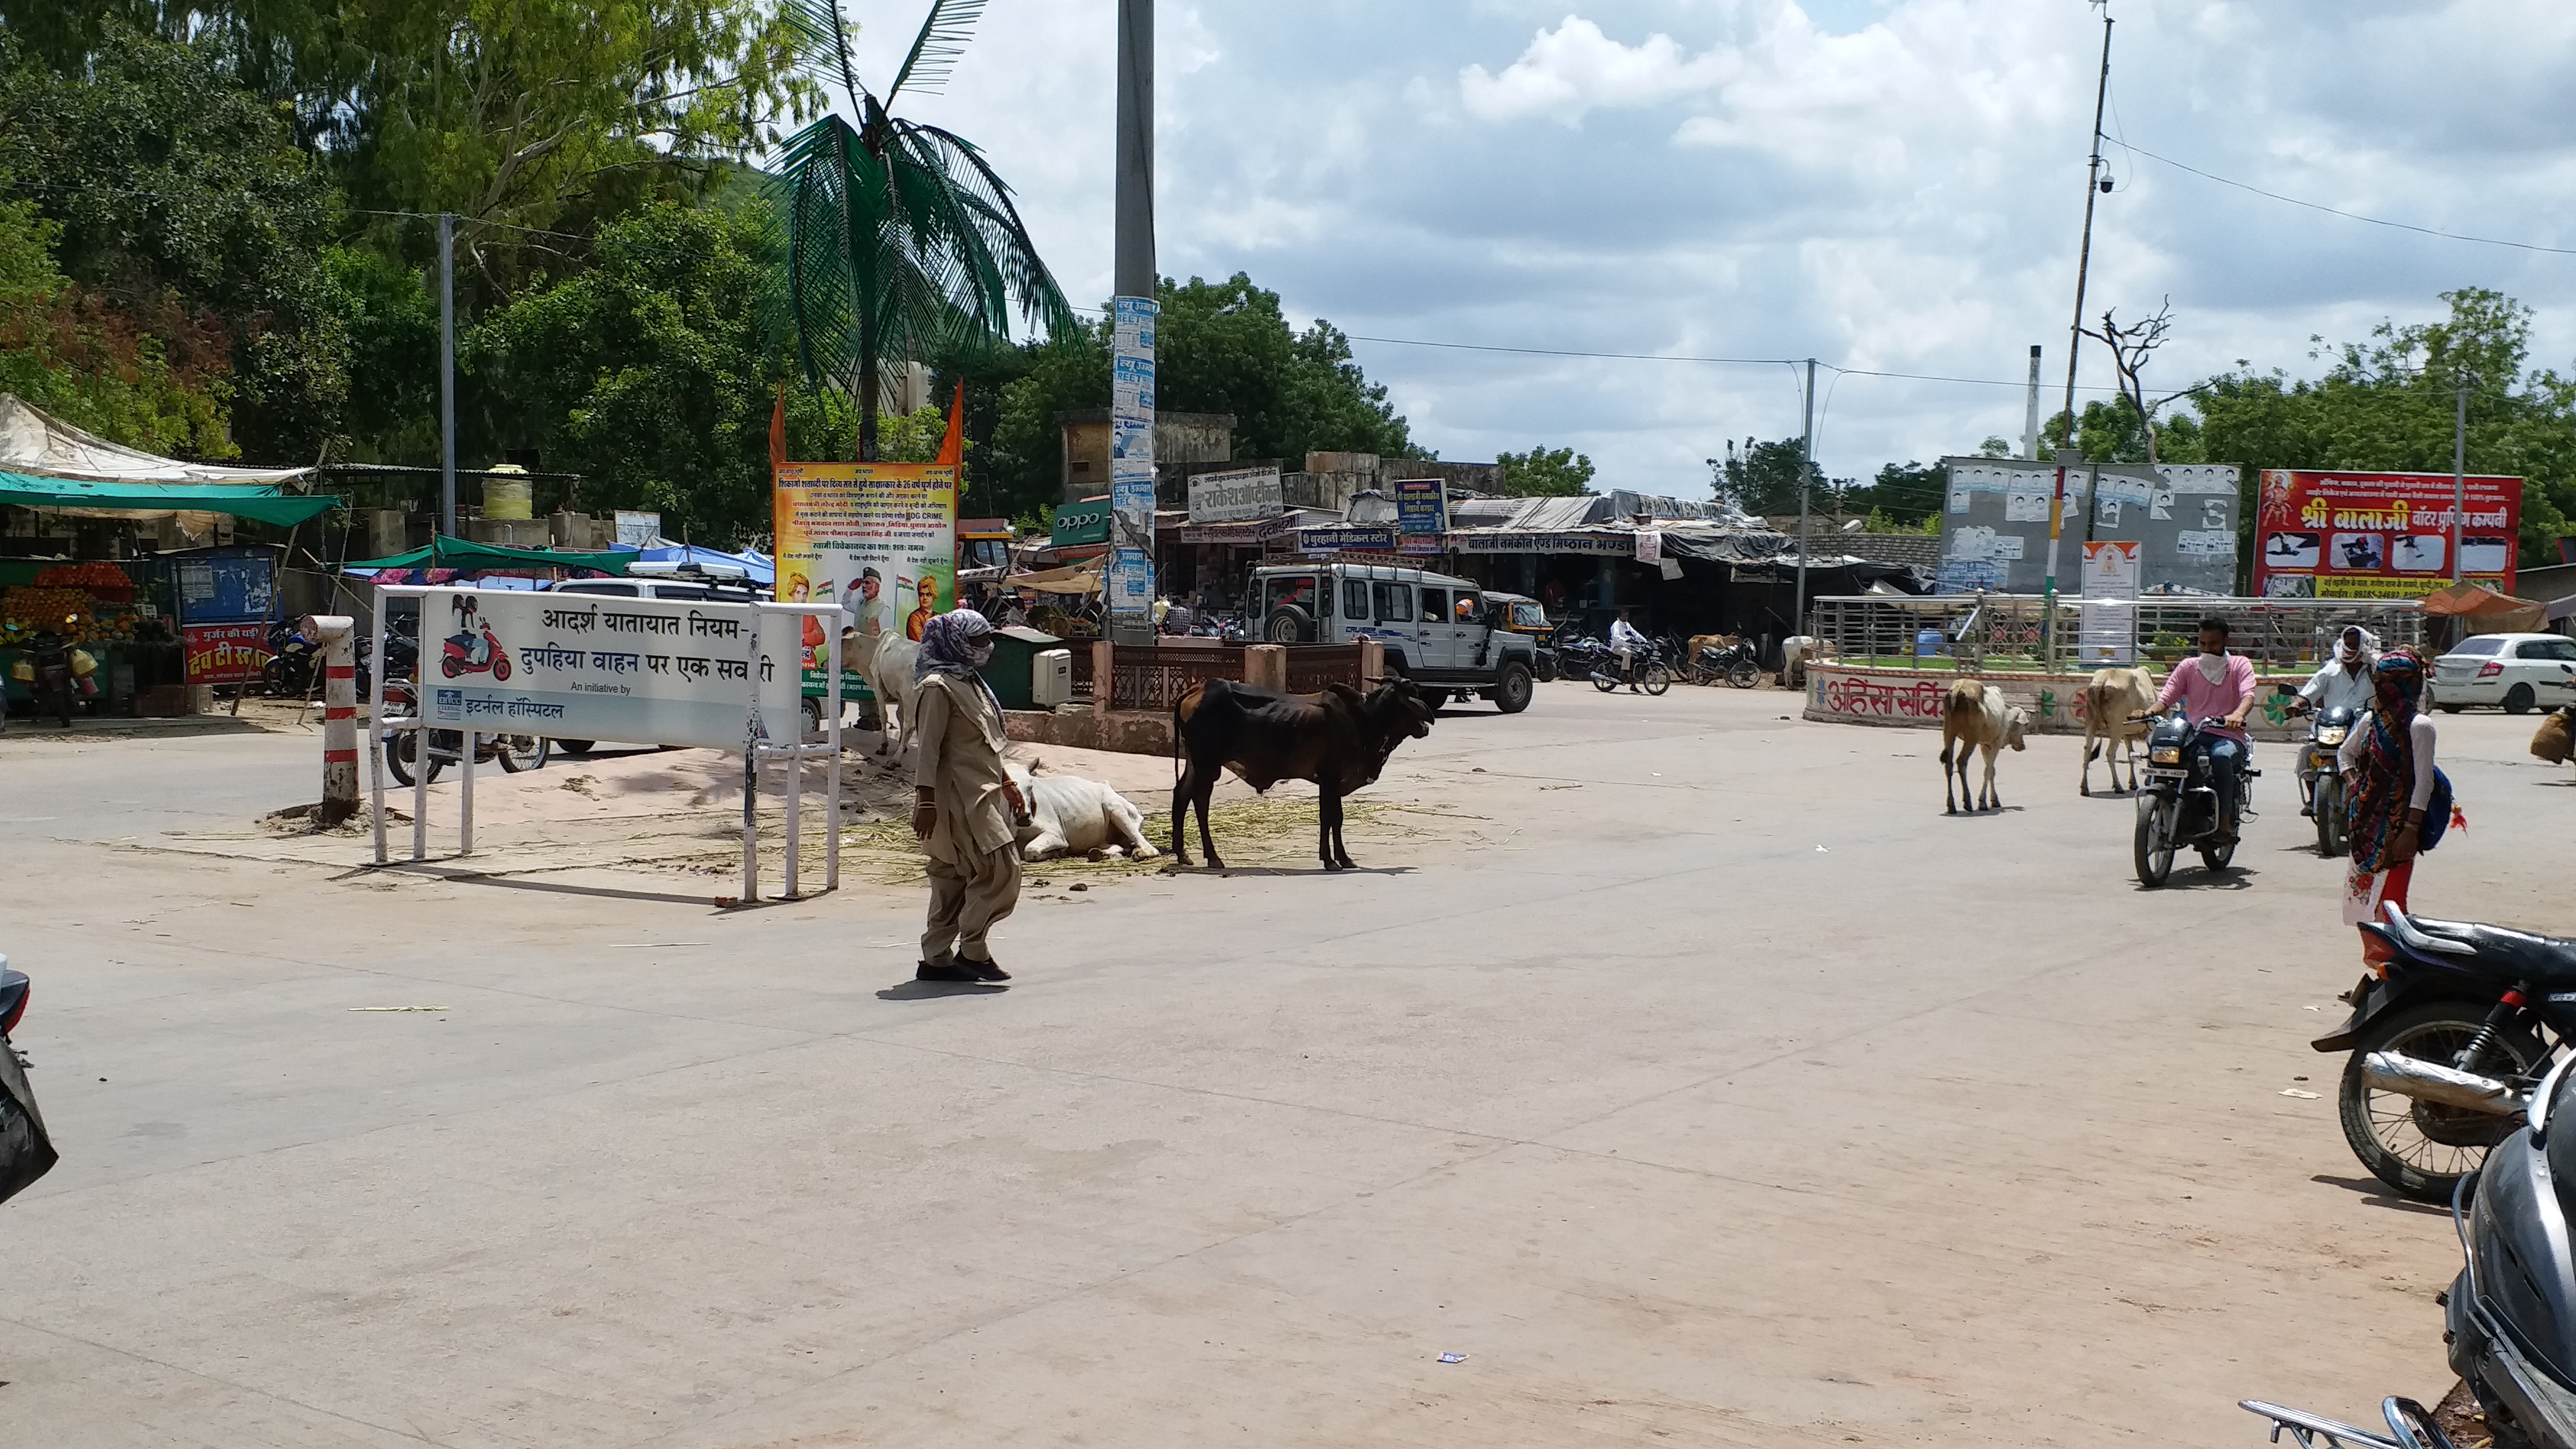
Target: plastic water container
[[1927, 643], [506, 497]]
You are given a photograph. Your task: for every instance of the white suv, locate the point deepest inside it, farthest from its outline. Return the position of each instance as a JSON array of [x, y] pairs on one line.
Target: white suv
[[2517, 671]]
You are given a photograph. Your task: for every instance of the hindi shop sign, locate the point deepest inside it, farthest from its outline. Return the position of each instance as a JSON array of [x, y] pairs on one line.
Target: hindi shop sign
[[1238, 495], [2380, 535], [1341, 537], [596, 667], [224, 653], [1421, 513]]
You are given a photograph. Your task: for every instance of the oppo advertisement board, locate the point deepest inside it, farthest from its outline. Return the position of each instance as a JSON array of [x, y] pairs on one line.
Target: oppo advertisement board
[[2321, 535]]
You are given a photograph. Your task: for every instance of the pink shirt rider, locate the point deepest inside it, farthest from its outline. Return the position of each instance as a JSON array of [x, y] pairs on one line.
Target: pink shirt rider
[[2203, 700]]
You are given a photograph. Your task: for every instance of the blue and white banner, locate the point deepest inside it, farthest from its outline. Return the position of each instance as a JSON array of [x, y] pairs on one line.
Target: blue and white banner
[[599, 667], [1131, 460]]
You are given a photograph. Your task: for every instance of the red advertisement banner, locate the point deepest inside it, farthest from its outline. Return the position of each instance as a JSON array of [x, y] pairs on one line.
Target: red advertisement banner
[[225, 653], [2321, 535]]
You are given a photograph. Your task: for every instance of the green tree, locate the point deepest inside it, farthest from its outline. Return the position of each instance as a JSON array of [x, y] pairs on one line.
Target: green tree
[[2109, 431], [2388, 405], [1903, 497], [900, 241], [1762, 478], [1546, 473], [183, 201]]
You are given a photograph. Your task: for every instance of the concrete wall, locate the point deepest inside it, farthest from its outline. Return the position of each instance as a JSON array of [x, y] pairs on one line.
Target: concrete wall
[[1179, 439]]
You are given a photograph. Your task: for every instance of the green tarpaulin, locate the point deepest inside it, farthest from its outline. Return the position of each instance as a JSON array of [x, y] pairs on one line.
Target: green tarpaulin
[[458, 553], [260, 502]]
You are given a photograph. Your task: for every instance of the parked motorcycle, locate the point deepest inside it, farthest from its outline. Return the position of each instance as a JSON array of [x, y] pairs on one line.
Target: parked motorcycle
[[2510, 1316], [1578, 655], [2410, 1426], [2178, 808], [57, 672], [2446, 1041], [402, 747], [294, 662], [26, 1152], [1735, 663]]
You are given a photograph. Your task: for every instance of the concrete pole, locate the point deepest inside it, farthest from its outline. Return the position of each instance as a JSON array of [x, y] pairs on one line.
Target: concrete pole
[[446, 377], [2459, 476], [339, 641], [1132, 271], [376, 727], [1133, 276], [1806, 453], [2030, 414], [2074, 346]]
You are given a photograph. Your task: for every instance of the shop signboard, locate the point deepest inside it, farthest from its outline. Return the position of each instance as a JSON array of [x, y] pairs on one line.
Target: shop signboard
[[2109, 637], [225, 585], [1081, 525], [590, 666], [881, 538], [224, 653], [1347, 537], [2321, 535], [638, 530], [1608, 543], [1238, 495], [1421, 513]]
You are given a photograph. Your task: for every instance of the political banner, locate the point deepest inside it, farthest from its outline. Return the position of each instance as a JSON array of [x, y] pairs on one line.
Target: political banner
[[224, 653], [599, 667], [878, 538], [2320, 535]]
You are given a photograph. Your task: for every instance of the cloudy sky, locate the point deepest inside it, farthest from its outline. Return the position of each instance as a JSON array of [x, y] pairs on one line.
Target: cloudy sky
[[1892, 185]]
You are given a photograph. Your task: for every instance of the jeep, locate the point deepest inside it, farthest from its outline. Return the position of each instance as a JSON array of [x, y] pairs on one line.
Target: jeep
[[1438, 631]]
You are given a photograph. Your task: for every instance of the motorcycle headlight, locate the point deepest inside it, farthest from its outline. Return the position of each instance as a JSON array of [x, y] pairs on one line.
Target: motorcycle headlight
[[2332, 736], [2165, 755]]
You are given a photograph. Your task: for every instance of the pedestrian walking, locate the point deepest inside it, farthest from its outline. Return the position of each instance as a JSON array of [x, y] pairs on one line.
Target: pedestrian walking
[[964, 807], [2389, 776]]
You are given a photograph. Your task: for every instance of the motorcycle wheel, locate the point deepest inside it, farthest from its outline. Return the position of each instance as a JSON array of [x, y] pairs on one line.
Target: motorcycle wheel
[[2217, 859], [1743, 675], [1656, 679], [400, 750], [575, 747], [524, 752], [276, 679], [2151, 849], [1603, 682], [2423, 1149], [2330, 823]]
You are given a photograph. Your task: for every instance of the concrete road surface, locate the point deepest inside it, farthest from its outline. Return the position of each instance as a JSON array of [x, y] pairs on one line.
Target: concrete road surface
[[1677, 1063]]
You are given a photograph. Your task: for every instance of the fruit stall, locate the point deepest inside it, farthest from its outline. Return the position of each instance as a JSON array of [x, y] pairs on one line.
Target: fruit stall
[[121, 634]]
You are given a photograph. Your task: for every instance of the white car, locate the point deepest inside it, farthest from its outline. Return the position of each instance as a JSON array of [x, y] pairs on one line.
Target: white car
[[2517, 671]]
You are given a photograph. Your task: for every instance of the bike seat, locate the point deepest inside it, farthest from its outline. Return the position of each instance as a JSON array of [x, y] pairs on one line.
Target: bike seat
[[2540, 960]]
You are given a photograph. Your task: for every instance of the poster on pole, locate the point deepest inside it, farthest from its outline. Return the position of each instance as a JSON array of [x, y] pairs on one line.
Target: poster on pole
[[880, 538], [1130, 582], [591, 666], [2324, 535], [2109, 588]]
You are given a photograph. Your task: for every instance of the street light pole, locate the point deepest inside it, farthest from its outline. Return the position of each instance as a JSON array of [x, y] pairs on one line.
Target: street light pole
[[2075, 344], [2459, 475], [1806, 453], [446, 374]]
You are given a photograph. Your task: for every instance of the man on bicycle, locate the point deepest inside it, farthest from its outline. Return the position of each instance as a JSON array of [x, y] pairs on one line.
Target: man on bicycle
[[1626, 642]]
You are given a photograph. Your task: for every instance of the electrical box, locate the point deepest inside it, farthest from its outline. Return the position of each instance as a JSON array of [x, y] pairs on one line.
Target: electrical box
[[1051, 678]]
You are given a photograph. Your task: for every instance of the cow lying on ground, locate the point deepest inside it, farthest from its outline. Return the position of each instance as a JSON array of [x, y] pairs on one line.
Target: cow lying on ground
[[885, 661], [1975, 717], [1797, 652], [1339, 739], [1069, 815], [2110, 699]]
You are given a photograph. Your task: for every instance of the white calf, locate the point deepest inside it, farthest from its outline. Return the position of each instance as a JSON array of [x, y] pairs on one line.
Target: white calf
[[1070, 815]]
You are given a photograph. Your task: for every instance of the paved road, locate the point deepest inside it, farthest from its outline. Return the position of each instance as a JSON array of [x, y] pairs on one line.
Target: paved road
[[1692, 1075]]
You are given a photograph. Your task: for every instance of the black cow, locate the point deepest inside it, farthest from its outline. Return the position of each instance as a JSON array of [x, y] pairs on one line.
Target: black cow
[[1340, 739]]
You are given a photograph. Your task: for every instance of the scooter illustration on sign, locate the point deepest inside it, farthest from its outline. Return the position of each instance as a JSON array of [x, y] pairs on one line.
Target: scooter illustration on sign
[[473, 648]]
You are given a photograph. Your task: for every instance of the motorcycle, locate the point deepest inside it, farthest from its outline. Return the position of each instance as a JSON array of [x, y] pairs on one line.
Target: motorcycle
[[56, 672], [2446, 1039], [2410, 1426], [1578, 655], [1735, 664], [457, 655], [402, 747], [26, 1152], [294, 662], [2321, 782], [1646, 670], [2178, 808], [2508, 1317]]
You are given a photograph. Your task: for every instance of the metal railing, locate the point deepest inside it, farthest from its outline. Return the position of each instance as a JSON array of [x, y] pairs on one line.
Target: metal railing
[[1153, 677], [2004, 632]]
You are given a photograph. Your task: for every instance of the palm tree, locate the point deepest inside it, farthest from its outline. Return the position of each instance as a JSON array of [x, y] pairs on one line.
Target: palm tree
[[901, 243]]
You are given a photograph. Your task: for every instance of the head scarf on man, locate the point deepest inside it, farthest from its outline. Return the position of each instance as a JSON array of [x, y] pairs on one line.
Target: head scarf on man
[[2387, 779]]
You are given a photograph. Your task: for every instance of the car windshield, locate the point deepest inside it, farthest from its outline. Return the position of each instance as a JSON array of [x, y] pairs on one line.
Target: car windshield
[[2485, 645], [1530, 616]]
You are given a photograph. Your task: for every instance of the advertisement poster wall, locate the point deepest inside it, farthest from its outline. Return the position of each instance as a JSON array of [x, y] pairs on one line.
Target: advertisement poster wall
[[1130, 582], [881, 538], [587, 666], [2324, 535]]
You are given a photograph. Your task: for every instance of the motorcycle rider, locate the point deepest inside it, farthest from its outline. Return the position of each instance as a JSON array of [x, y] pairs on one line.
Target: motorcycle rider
[[2216, 685], [1625, 642], [2343, 682]]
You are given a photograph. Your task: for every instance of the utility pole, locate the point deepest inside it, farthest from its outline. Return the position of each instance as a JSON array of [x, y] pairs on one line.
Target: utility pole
[[2074, 344], [2459, 475], [1806, 455], [1133, 280], [2030, 415], [446, 375]]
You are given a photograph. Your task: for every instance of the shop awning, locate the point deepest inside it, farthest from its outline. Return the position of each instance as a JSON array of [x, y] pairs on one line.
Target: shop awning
[[36, 442], [260, 502], [458, 553]]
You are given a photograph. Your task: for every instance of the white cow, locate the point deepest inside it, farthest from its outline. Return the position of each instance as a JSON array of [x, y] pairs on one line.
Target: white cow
[[1071, 815], [2109, 699], [1796, 653], [885, 661]]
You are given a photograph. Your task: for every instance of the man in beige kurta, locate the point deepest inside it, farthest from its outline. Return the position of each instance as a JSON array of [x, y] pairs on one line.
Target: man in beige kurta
[[964, 805]]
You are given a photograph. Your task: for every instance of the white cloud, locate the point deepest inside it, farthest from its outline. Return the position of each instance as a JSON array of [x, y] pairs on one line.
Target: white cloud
[[1576, 68]]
